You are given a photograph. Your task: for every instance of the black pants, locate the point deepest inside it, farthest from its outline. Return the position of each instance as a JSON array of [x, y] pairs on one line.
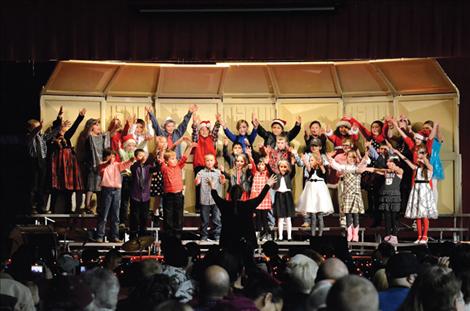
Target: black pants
[[38, 184], [125, 196], [390, 223], [198, 189], [173, 206], [139, 215], [262, 223]]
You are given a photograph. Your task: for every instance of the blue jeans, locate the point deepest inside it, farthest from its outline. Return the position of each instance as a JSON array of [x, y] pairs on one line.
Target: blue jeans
[[206, 211], [111, 202]]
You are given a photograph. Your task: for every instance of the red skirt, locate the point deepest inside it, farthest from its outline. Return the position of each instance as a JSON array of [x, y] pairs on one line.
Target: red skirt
[[65, 171]]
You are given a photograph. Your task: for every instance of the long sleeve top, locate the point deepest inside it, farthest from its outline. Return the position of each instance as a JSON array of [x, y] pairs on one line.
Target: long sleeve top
[[270, 138], [173, 176], [241, 138], [37, 142], [111, 173], [205, 145], [177, 133], [141, 178]]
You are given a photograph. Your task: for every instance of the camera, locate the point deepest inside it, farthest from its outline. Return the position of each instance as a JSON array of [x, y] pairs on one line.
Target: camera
[[35, 268]]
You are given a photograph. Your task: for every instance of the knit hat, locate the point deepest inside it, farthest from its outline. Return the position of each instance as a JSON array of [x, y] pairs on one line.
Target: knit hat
[[128, 139], [281, 122], [343, 123], [401, 265], [203, 124]]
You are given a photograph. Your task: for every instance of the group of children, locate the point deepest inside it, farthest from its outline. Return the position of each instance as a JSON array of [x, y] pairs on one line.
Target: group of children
[[398, 168]]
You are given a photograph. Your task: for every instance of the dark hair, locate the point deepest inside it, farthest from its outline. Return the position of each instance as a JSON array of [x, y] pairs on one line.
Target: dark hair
[[174, 252], [236, 192], [112, 254], [270, 248], [430, 122], [434, 289], [386, 249], [151, 292], [236, 143], [137, 151], [460, 258], [314, 122], [378, 122], [170, 305], [140, 121], [107, 152], [260, 283]]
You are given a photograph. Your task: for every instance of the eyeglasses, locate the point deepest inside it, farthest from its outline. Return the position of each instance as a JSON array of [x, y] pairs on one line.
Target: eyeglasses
[[422, 152]]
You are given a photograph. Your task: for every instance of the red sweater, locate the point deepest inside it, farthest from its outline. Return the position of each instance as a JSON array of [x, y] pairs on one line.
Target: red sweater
[[205, 145], [173, 176]]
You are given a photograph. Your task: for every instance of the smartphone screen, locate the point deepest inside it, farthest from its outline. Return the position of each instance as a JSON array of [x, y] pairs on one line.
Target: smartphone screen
[[82, 269], [36, 269]]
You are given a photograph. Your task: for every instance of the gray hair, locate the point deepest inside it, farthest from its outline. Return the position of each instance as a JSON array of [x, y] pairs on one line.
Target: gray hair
[[105, 288], [302, 271]]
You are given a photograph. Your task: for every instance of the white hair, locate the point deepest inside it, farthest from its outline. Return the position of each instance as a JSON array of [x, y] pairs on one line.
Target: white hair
[[302, 272], [105, 288]]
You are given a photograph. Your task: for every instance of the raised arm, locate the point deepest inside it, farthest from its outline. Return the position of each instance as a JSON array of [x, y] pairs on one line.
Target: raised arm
[[154, 121], [184, 124], [76, 123], [292, 134], [407, 161]]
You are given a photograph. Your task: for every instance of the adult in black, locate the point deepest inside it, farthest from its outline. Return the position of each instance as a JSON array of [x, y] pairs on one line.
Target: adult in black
[[237, 216]]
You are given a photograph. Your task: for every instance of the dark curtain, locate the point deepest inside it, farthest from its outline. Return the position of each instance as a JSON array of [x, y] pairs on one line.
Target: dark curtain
[[113, 29]]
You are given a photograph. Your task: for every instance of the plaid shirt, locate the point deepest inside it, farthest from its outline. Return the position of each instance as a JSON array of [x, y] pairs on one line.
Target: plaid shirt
[[204, 175]]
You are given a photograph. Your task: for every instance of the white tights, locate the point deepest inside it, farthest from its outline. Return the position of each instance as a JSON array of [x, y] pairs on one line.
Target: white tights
[[280, 227]]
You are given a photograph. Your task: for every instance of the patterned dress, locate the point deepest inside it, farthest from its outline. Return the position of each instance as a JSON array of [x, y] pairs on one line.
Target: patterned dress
[[421, 203], [259, 181], [351, 196]]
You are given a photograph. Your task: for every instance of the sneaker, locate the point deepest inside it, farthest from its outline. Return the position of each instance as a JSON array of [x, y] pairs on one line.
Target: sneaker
[[115, 241], [417, 241], [394, 240], [388, 238], [97, 240], [424, 240], [305, 225]]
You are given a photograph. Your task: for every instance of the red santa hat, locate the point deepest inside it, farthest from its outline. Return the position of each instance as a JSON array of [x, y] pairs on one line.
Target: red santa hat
[[281, 122], [128, 139], [202, 124], [419, 136]]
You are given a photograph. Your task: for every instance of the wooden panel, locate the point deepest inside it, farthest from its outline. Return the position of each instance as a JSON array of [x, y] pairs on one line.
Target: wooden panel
[[190, 81], [446, 189], [247, 81], [134, 80], [305, 80], [421, 76], [438, 110], [360, 79], [80, 78], [50, 108], [367, 111]]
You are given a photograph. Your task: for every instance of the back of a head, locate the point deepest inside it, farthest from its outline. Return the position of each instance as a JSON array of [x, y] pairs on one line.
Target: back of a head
[[435, 288], [261, 283], [172, 305], [352, 293], [151, 292], [301, 272], [236, 192], [105, 287], [401, 265], [215, 284], [332, 269]]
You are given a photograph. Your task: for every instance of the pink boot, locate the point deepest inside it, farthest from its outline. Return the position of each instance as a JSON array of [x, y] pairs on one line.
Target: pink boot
[[355, 234], [350, 233]]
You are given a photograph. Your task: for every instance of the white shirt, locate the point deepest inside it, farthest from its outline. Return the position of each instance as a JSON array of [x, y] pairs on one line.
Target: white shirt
[[283, 186], [10, 287]]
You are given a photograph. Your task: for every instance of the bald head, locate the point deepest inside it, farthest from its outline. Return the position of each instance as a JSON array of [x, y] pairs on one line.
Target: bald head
[[332, 269], [351, 293], [216, 283]]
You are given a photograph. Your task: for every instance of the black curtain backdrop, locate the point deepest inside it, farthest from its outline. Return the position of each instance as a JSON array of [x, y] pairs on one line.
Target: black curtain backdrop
[[34, 33], [42, 30]]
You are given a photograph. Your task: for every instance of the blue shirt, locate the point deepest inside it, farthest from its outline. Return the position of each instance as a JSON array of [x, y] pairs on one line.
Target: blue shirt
[[392, 298]]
